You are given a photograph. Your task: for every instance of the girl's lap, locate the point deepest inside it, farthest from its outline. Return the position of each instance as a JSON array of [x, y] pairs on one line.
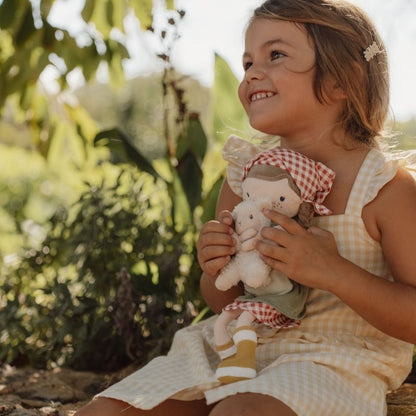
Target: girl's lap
[[239, 404]]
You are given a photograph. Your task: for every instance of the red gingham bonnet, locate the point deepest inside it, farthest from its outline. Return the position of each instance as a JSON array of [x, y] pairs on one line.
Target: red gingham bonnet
[[314, 179]]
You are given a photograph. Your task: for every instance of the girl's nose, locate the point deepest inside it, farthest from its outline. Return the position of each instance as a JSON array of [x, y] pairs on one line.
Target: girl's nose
[[254, 73]]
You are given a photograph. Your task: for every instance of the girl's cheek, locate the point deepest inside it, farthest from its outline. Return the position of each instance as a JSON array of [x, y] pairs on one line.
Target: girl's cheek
[[242, 91]]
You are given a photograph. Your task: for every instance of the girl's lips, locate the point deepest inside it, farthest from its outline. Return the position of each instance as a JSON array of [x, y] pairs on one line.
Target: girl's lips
[[261, 95]]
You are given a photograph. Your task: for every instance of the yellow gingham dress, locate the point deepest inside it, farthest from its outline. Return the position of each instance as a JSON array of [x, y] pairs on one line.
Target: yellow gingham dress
[[334, 363]]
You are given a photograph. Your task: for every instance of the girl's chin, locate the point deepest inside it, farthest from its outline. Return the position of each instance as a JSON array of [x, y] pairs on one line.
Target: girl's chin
[[264, 127]]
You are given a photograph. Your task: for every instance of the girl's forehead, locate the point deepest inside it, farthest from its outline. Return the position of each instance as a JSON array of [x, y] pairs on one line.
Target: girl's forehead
[[262, 31]]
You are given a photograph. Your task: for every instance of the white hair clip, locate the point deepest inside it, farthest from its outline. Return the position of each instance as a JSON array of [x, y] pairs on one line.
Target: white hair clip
[[372, 51]]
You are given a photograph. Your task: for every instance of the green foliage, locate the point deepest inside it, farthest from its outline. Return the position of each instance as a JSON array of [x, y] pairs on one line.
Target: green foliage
[[229, 115], [29, 43], [118, 268], [111, 273]]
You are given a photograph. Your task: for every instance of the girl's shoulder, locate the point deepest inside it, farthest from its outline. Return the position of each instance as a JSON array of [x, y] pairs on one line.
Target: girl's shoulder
[[384, 171], [391, 193]]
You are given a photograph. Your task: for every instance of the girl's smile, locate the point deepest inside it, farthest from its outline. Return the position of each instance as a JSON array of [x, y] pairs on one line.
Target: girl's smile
[[261, 95]]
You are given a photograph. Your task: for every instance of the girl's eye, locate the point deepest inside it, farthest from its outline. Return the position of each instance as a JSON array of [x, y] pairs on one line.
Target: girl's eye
[[282, 198], [248, 195], [276, 55], [246, 65]]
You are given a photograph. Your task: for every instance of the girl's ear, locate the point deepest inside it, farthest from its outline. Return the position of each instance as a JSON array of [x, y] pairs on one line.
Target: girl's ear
[[334, 91]]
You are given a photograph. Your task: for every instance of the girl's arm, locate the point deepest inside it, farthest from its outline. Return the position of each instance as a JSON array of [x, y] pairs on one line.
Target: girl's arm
[[215, 247], [311, 257]]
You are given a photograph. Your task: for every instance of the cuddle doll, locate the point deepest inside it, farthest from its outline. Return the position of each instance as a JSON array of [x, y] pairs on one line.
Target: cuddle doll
[[295, 186]]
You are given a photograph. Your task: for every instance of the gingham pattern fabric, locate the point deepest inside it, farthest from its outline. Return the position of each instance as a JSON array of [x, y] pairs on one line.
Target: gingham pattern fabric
[[333, 364], [264, 313], [313, 179]]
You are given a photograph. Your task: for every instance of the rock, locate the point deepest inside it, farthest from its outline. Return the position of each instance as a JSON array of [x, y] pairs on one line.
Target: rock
[[8, 403], [59, 392]]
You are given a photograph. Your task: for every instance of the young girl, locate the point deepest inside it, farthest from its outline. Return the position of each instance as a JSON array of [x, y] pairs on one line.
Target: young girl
[[316, 75]]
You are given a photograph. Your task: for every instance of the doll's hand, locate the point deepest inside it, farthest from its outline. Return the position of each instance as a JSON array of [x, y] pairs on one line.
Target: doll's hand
[[215, 244], [307, 256]]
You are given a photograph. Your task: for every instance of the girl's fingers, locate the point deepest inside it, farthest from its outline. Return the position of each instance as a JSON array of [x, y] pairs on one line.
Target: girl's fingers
[[216, 227], [289, 224], [272, 251], [212, 252], [226, 217], [212, 267]]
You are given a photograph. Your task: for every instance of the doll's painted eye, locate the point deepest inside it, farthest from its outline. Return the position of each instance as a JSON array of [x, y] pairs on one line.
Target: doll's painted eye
[[251, 216], [282, 198], [248, 195]]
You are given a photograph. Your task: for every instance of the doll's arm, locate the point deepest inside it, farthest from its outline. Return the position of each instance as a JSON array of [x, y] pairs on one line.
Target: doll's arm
[[247, 240]]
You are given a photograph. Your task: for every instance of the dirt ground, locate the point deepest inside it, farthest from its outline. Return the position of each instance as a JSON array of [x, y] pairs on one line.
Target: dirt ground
[[29, 392]]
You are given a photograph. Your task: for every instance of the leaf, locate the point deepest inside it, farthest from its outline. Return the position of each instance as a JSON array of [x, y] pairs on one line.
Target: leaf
[[26, 29], [7, 14], [209, 203], [197, 137], [229, 115], [143, 10], [116, 71], [86, 126], [48, 36], [88, 10], [124, 150], [193, 139], [100, 17], [181, 211], [190, 174], [45, 8], [115, 53], [118, 14]]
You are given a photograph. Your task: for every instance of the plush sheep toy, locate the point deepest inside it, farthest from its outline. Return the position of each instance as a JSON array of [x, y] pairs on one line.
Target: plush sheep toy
[[246, 265], [294, 185]]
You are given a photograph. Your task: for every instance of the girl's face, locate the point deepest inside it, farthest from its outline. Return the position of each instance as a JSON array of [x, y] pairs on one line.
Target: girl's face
[[277, 89]]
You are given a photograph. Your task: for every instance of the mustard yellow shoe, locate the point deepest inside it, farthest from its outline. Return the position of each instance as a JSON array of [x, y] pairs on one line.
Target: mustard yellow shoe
[[241, 365]]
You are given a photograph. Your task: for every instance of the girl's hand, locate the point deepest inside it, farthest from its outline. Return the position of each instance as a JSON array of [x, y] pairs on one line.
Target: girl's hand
[[307, 256], [215, 244]]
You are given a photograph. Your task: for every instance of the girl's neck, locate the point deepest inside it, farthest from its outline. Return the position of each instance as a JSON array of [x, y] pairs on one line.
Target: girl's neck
[[326, 148]]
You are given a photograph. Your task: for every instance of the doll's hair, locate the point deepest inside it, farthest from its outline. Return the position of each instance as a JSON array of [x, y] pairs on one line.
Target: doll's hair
[[272, 173], [341, 32]]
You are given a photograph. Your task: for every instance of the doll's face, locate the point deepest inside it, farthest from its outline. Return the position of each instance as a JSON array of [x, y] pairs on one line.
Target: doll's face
[[284, 199]]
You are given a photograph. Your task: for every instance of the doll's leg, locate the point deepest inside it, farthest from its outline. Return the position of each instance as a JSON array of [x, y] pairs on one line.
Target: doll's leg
[[242, 365], [223, 341], [221, 333]]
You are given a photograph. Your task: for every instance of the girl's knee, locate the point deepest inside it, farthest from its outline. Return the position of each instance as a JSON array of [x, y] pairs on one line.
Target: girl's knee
[[251, 404], [104, 407]]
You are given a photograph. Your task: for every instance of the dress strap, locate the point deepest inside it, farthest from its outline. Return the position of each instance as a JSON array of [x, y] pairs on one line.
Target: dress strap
[[378, 168], [358, 194]]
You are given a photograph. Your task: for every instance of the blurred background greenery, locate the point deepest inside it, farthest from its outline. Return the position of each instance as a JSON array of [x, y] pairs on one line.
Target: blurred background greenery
[[103, 189]]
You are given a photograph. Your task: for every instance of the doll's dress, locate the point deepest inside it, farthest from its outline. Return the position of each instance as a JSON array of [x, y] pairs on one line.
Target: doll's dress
[[333, 364]]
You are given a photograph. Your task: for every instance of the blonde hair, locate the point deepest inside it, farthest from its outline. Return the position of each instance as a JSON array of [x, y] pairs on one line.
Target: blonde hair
[[341, 32]]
